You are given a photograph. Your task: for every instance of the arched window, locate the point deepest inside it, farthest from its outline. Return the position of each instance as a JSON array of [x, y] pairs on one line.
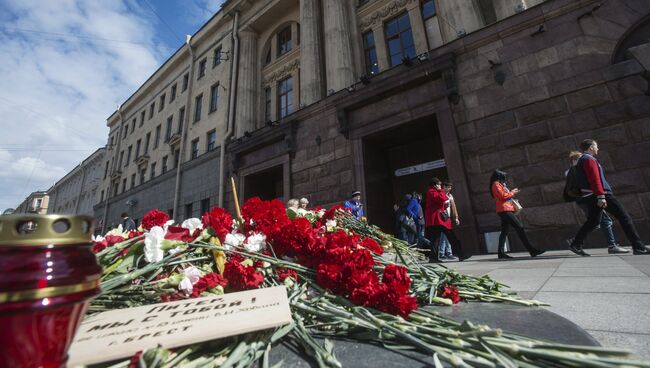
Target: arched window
[[637, 35]]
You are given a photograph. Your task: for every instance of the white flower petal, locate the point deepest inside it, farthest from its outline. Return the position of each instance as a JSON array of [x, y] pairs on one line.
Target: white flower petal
[[153, 244]]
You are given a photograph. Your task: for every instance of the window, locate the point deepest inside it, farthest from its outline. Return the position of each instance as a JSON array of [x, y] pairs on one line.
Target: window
[[162, 102], [101, 196], [157, 138], [153, 171], [186, 81], [177, 156], [197, 107], [205, 206], [195, 149], [214, 97], [399, 39], [428, 9], [143, 173], [125, 130], [133, 125], [164, 165], [285, 97], [128, 155], [181, 119], [217, 57], [123, 185], [38, 203], [188, 210], [142, 117], [202, 68], [284, 41], [267, 105], [168, 131], [146, 143], [211, 140], [172, 94], [152, 107], [133, 181], [138, 144], [106, 170], [116, 188], [370, 53], [121, 159], [267, 59]]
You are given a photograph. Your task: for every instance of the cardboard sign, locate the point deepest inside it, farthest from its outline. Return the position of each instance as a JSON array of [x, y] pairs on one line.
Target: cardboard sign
[[121, 333], [431, 165]]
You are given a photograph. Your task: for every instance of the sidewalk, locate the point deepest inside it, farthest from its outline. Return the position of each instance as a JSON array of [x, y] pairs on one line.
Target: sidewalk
[[607, 295]]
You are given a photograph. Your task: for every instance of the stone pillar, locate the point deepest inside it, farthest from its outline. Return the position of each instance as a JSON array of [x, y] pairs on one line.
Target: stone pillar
[[458, 15], [311, 77], [380, 46], [338, 51], [417, 27], [247, 83]]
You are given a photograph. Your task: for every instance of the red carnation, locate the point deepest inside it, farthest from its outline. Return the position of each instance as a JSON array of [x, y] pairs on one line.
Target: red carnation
[[295, 238], [165, 298], [154, 218], [372, 246], [135, 360], [267, 217], [206, 282], [283, 273], [219, 220], [397, 279], [450, 291], [178, 233], [242, 277], [134, 234]]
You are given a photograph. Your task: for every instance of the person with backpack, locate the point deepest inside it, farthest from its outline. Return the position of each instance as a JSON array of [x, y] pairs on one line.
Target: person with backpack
[[572, 191], [506, 210], [597, 196]]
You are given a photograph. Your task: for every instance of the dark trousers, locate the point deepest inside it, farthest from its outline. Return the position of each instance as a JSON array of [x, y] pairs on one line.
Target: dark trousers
[[594, 215], [509, 219], [433, 233]]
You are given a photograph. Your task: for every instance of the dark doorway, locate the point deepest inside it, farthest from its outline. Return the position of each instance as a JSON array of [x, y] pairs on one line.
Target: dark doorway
[[267, 184], [398, 161]]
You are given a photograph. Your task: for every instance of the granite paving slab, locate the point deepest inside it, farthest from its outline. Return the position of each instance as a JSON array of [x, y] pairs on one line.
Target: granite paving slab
[[609, 284]]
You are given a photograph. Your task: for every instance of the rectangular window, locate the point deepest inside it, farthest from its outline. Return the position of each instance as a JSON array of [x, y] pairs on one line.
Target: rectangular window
[[153, 171], [188, 210], [116, 188], [172, 94], [284, 41], [128, 155], [143, 174], [211, 141], [168, 130], [152, 107], [125, 131], [205, 205], [285, 97], [138, 145], [217, 57], [146, 143], [399, 39], [106, 170], [162, 102], [177, 156], [198, 101], [121, 160], [267, 105], [202, 64], [133, 181], [157, 139], [195, 149], [214, 97], [101, 196], [123, 185], [186, 81], [181, 120], [372, 67], [142, 114], [133, 125], [164, 165], [428, 9]]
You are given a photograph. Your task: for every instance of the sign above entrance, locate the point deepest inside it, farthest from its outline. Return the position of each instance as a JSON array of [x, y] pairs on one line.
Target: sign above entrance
[[427, 166]]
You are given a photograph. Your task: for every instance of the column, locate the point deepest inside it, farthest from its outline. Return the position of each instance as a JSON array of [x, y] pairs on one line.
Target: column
[[338, 51], [311, 77], [246, 83], [458, 15], [417, 27], [380, 46]]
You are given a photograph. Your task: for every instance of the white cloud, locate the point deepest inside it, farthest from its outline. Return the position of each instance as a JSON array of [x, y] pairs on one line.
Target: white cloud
[[65, 67]]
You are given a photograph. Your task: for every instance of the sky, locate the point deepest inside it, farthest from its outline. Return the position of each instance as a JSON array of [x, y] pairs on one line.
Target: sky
[[65, 66]]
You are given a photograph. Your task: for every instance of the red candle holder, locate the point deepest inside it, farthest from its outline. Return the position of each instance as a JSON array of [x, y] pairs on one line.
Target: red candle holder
[[49, 275]]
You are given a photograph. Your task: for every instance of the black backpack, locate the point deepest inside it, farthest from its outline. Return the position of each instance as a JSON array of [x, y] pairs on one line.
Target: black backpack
[[571, 187]]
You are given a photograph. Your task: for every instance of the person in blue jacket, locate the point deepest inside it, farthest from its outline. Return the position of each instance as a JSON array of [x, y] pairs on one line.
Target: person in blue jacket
[[355, 205]]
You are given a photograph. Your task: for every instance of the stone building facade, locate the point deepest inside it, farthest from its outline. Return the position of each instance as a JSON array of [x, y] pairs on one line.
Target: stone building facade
[[77, 192], [333, 96], [35, 203]]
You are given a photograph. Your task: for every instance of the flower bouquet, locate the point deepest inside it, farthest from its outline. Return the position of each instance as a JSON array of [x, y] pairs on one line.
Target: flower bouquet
[[340, 281]]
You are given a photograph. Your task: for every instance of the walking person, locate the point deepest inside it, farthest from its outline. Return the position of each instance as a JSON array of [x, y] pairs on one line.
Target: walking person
[[416, 204], [437, 221], [597, 196], [127, 222], [506, 210], [444, 248], [407, 227], [605, 223]]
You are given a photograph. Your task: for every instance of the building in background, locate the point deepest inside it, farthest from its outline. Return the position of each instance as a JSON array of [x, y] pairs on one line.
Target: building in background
[[77, 192], [35, 203], [315, 98]]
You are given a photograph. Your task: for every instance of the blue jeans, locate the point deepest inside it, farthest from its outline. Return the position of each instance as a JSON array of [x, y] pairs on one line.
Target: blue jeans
[[605, 224], [444, 247]]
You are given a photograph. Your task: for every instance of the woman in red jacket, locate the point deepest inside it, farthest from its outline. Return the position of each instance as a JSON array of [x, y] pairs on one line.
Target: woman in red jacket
[[506, 210], [437, 221]]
